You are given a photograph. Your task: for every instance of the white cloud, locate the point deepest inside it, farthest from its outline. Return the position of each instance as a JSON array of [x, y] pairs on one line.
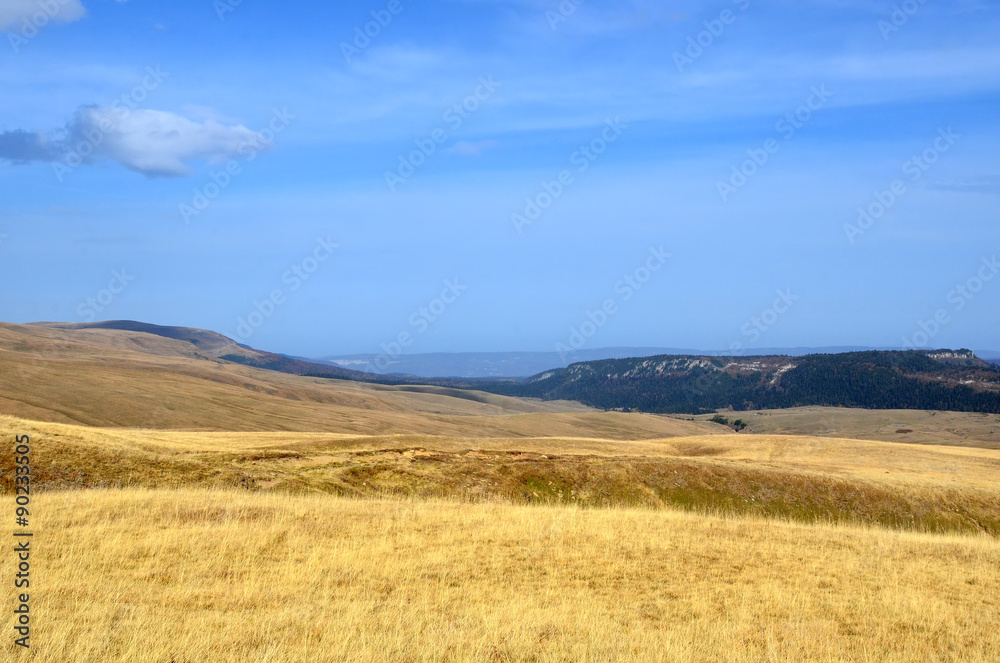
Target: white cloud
[[154, 143], [160, 143], [13, 13]]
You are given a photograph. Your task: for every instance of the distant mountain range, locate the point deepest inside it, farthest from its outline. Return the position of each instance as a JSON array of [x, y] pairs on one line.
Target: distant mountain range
[[525, 364], [929, 380]]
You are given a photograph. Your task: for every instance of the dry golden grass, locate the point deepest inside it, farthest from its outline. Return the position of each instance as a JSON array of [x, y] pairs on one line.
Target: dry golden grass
[[918, 487], [969, 429], [196, 575]]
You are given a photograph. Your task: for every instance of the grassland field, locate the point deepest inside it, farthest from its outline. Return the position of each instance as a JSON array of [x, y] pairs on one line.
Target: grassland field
[[187, 509]]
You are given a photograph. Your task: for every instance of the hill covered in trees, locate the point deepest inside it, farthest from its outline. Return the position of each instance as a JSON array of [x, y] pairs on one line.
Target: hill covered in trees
[[932, 380]]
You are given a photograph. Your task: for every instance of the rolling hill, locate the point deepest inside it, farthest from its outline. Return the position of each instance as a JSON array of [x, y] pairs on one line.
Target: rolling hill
[[166, 380], [212, 345]]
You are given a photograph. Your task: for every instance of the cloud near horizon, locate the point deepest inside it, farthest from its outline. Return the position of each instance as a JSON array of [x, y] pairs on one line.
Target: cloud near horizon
[[154, 143], [471, 149], [989, 184], [13, 13]]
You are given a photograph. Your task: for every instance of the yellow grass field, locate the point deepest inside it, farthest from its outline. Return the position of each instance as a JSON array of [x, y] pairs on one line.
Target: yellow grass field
[[199, 575], [969, 429], [810, 479]]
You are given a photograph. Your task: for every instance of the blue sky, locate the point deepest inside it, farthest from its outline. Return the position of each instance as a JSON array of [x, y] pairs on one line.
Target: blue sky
[[308, 137]]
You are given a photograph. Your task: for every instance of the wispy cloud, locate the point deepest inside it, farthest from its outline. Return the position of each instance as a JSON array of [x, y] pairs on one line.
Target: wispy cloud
[[154, 143], [13, 13], [985, 184], [471, 148]]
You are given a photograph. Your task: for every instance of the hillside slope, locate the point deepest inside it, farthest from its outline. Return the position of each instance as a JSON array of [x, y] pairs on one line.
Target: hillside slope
[[112, 377], [213, 345]]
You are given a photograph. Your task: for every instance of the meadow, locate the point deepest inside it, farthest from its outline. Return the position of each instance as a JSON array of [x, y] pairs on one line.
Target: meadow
[[809, 479], [200, 575]]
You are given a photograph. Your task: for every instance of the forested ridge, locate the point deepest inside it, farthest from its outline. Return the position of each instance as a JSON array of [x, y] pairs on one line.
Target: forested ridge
[[932, 380]]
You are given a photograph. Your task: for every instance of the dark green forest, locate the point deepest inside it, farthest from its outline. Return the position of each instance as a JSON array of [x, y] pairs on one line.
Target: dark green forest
[[875, 380]]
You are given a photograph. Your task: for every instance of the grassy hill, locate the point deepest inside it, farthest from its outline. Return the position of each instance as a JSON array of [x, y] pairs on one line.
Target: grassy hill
[[212, 345], [110, 377]]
